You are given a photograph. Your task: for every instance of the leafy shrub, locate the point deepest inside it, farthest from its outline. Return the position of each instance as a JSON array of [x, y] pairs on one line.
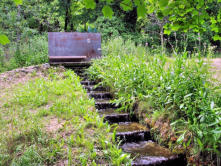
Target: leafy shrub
[[117, 27], [29, 51], [179, 86], [108, 28]]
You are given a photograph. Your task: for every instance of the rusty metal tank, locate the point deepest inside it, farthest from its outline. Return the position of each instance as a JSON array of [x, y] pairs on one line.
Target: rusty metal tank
[[73, 47]]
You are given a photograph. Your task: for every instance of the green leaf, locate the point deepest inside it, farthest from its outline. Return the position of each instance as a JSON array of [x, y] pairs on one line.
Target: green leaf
[[213, 21], [4, 40], [166, 11], [217, 131], [126, 5], [176, 27], [18, 2], [216, 37], [141, 11], [123, 157], [163, 3], [190, 94], [167, 31], [181, 106], [181, 138], [137, 2], [199, 143], [107, 11], [215, 28], [89, 4], [188, 143]]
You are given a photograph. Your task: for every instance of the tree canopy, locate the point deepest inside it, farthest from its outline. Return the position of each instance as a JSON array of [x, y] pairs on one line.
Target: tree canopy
[[182, 15], [3, 38], [179, 15]]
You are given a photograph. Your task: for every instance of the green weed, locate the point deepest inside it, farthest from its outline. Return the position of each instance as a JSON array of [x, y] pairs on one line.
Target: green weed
[[28, 52], [179, 86], [51, 119]]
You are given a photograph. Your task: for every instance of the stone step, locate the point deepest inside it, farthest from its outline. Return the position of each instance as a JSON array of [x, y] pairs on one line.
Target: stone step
[[87, 82], [129, 127], [133, 136], [120, 117], [92, 89], [108, 111], [100, 95], [80, 71], [78, 68], [71, 65], [159, 161], [149, 153], [104, 104]]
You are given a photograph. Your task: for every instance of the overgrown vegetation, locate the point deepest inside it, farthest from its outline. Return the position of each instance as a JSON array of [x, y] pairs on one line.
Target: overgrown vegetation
[[150, 23], [179, 88], [50, 120], [29, 51]]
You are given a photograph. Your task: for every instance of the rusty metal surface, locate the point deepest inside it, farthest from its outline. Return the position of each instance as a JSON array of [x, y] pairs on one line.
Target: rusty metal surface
[[74, 44]]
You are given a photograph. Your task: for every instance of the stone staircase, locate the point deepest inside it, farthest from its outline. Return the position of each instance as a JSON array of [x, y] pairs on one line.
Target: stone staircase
[[134, 137]]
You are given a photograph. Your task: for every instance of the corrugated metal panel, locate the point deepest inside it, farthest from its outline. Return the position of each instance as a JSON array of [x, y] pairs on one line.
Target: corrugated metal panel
[[79, 46]]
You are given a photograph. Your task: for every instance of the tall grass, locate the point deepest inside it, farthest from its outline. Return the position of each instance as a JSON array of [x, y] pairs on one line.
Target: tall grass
[[82, 139], [29, 51], [179, 86]]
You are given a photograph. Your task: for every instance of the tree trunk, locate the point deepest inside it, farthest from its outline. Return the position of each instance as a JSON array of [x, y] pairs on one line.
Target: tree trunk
[[72, 27], [67, 15], [66, 21], [85, 27]]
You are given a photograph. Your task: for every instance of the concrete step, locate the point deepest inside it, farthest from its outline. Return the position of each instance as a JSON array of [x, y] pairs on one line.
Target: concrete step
[[129, 127], [100, 95], [149, 153], [104, 104], [70, 65], [120, 117], [133, 136], [92, 88], [87, 82]]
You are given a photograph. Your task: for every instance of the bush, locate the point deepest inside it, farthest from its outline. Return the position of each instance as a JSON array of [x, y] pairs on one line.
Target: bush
[[29, 51], [179, 86], [112, 28]]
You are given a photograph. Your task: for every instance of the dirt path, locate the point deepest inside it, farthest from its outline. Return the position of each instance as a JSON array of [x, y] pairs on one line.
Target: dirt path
[[216, 63]]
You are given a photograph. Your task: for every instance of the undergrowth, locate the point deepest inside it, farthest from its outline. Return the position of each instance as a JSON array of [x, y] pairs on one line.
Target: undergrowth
[[51, 121], [28, 51], [181, 88]]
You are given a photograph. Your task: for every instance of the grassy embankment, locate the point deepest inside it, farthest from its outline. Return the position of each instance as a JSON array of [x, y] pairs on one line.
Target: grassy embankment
[[177, 96], [48, 119], [29, 51]]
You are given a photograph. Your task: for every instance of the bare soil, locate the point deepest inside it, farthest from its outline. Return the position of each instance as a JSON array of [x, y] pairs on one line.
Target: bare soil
[[216, 68], [54, 124], [22, 75]]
